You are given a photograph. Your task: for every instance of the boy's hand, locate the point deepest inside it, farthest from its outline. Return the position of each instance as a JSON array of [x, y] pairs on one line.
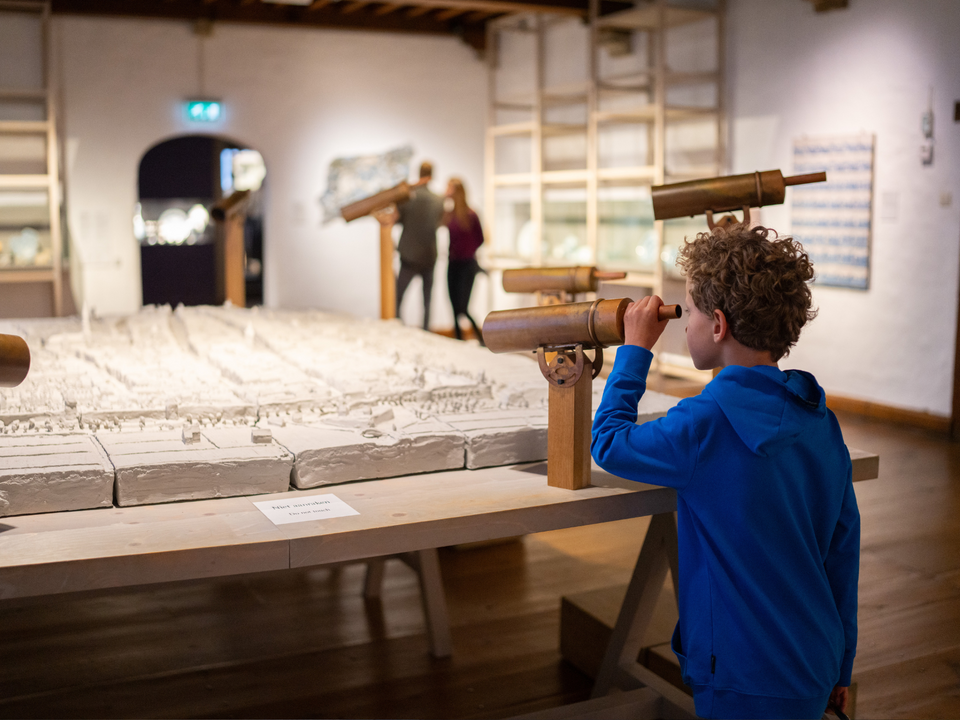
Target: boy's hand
[[839, 698], [641, 324]]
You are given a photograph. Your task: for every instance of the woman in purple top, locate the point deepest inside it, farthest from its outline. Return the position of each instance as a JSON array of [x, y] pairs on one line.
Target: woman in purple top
[[466, 235]]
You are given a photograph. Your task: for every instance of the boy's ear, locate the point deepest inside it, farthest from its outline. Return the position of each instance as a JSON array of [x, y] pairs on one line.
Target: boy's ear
[[720, 327]]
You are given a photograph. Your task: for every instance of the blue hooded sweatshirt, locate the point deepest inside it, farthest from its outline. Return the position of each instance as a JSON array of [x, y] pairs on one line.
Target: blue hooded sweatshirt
[[768, 530]]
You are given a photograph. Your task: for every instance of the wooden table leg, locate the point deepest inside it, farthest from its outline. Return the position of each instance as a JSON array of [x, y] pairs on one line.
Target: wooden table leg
[[620, 668], [373, 580], [427, 564]]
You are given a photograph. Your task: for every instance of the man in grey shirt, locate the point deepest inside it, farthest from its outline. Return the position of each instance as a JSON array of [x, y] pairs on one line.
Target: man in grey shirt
[[420, 217]]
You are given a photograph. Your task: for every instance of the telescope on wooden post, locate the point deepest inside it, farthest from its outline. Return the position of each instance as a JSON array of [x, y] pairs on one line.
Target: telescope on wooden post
[[372, 205], [556, 284], [725, 194], [14, 360], [376, 202], [560, 334]]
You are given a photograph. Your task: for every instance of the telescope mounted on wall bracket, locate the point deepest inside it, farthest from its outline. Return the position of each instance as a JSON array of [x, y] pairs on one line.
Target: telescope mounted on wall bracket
[[725, 195]]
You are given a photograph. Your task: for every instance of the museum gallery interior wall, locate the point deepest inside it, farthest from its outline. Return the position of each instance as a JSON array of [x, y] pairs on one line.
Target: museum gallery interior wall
[[208, 402], [300, 97], [869, 68], [305, 97]]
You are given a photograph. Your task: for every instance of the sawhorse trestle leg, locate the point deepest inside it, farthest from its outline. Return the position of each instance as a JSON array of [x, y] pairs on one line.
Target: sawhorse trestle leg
[[620, 668], [426, 563]]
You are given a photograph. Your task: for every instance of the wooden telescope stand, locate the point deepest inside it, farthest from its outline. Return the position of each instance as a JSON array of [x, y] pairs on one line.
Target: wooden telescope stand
[[570, 374], [388, 284]]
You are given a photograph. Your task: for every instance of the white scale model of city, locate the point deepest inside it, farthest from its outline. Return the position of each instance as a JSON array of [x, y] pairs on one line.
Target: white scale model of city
[[205, 402]]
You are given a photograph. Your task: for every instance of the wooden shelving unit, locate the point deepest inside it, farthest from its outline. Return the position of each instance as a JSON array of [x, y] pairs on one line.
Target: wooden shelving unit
[[20, 190], [569, 162]]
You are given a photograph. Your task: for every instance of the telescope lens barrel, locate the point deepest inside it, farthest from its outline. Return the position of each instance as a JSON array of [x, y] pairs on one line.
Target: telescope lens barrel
[[554, 279], [14, 360], [591, 324]]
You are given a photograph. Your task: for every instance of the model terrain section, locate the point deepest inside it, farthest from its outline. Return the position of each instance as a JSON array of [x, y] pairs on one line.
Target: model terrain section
[[206, 402]]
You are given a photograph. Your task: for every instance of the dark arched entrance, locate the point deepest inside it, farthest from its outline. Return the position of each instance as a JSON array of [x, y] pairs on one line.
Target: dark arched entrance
[[179, 182]]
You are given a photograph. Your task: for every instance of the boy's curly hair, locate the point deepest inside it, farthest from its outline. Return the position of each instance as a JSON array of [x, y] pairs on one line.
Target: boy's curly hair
[[758, 281]]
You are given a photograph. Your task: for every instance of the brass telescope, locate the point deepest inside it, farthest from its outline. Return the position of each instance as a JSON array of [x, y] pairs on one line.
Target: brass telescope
[[14, 360], [725, 194], [570, 280], [374, 203], [596, 324], [564, 332]]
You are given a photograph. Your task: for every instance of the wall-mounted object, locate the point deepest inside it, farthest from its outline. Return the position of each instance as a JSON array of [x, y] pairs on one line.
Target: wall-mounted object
[[203, 110], [832, 220]]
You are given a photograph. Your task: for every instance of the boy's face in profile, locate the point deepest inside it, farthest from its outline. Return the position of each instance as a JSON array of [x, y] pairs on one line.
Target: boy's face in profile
[[701, 342]]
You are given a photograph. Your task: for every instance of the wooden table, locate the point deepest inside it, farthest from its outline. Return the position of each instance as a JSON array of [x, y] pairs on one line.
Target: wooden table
[[405, 517], [119, 547]]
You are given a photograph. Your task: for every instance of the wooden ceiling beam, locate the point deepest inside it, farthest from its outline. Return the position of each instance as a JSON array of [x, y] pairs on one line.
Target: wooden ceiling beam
[[351, 7], [386, 9], [445, 15], [501, 6], [317, 4], [418, 10]]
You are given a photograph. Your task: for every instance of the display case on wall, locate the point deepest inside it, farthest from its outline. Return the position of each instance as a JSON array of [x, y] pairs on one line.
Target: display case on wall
[[30, 207], [584, 118]]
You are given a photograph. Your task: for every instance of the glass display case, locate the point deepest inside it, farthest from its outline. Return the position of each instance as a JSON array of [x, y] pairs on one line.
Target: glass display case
[[585, 118]]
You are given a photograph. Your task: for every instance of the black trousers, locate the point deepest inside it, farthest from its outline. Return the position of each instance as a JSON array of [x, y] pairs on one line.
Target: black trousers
[[460, 276], [407, 272]]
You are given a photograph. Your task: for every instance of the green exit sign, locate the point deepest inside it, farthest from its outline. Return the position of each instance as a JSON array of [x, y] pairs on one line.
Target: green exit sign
[[203, 110]]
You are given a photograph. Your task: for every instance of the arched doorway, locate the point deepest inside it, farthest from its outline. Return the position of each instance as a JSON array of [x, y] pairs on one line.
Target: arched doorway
[[181, 183]]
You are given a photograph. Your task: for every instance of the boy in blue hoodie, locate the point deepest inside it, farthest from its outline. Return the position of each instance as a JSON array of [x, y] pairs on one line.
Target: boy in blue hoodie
[[767, 520]]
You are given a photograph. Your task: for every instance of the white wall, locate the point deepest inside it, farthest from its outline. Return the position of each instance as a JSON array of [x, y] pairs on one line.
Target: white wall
[[300, 97], [870, 67]]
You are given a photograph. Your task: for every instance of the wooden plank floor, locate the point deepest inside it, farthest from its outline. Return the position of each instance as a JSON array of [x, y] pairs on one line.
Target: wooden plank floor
[[306, 644]]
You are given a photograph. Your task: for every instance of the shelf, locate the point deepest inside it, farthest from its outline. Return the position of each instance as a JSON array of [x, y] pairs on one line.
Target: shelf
[[24, 181], [694, 173], [648, 18], [24, 126], [25, 275], [30, 6], [644, 173], [611, 88], [518, 106], [640, 115], [575, 92], [22, 94], [565, 177], [521, 128], [563, 128], [691, 78], [676, 112], [508, 179]]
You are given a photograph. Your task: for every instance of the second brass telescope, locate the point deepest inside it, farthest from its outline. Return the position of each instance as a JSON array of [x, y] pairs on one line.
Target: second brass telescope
[[571, 280], [724, 194]]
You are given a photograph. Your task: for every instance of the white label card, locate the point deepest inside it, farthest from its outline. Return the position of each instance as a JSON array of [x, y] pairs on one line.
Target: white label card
[[301, 509]]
